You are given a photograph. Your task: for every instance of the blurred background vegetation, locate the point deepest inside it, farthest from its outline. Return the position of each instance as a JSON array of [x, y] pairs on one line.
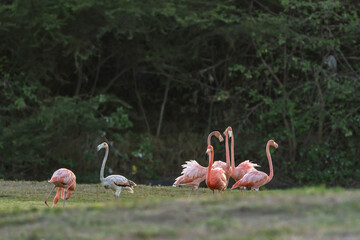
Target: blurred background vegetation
[[153, 78]]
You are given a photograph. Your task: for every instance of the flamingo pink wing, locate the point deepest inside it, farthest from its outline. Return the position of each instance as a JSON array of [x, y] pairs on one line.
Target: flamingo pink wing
[[244, 168], [249, 164], [251, 179], [219, 164], [193, 169], [191, 172]]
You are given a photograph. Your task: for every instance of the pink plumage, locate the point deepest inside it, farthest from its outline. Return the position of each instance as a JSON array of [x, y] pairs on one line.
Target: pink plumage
[[253, 179], [193, 173], [256, 179], [242, 169], [65, 180], [215, 177]]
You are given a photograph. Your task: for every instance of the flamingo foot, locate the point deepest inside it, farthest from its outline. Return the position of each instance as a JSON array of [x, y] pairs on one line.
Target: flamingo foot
[[192, 189]]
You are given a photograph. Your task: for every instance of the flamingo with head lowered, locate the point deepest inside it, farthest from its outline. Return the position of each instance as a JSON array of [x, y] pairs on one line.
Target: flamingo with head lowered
[[193, 173], [256, 179], [243, 168], [215, 177], [114, 182], [65, 180]]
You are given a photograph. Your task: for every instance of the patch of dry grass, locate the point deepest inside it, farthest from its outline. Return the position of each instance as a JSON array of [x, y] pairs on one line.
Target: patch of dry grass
[[167, 213]]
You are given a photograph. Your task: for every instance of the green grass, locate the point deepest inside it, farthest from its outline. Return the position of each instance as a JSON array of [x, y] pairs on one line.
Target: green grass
[[155, 212]]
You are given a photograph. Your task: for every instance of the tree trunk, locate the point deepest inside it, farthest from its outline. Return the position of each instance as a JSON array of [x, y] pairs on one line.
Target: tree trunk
[[138, 96], [163, 108], [79, 73]]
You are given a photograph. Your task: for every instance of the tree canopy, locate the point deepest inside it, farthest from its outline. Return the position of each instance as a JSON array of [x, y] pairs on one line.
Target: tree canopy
[[153, 78]]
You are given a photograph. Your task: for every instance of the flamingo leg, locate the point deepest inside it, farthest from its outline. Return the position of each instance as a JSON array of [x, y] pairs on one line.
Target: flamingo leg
[[65, 197], [117, 193], [196, 190], [49, 195], [192, 189]]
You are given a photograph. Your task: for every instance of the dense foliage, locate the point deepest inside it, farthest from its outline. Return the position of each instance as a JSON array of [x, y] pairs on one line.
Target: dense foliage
[[154, 77]]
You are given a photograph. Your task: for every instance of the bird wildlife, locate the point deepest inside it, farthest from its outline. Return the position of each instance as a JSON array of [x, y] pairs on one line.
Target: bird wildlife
[[331, 63], [256, 179], [114, 182], [246, 166], [65, 180], [224, 165], [193, 173], [215, 177]]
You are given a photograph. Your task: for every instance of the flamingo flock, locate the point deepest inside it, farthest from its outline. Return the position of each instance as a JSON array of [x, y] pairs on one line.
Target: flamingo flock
[[216, 175]]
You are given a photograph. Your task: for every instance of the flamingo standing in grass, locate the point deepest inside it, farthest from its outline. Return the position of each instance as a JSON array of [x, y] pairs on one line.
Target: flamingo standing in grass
[[215, 177], [245, 167], [256, 179], [65, 180], [224, 165], [114, 182], [193, 173]]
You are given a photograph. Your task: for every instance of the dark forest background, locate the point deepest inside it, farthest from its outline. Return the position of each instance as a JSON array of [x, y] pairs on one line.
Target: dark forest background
[[153, 78]]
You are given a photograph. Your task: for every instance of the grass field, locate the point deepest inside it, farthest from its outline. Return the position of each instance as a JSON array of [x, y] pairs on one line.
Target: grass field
[[155, 212]]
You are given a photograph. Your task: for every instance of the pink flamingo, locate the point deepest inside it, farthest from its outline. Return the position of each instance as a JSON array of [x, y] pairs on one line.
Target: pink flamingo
[[65, 180], [224, 165], [246, 166], [256, 179], [114, 182], [193, 173], [215, 177]]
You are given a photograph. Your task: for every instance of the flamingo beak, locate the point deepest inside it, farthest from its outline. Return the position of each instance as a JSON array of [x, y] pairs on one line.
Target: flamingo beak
[[276, 145], [99, 147], [207, 153], [230, 134], [221, 138], [46, 203]]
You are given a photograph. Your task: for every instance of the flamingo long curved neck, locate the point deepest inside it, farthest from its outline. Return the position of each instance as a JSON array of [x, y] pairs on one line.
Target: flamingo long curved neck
[[103, 164], [211, 159], [232, 151], [210, 135], [227, 154], [270, 161]]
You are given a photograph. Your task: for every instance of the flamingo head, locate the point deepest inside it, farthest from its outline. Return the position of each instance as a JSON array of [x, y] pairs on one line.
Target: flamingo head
[[209, 152], [273, 143], [102, 145], [209, 149], [218, 135], [228, 131]]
